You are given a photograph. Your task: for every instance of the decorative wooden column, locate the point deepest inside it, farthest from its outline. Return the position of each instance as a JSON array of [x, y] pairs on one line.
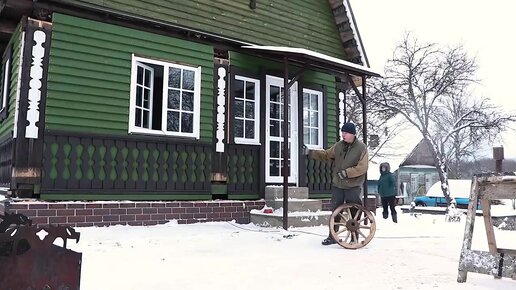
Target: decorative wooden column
[[30, 114]]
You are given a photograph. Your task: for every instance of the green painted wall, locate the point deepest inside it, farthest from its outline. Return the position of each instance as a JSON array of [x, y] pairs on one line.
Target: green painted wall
[[7, 126], [258, 66], [297, 23], [90, 68]]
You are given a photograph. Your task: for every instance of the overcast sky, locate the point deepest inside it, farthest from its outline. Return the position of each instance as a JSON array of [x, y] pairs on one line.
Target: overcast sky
[[485, 28]]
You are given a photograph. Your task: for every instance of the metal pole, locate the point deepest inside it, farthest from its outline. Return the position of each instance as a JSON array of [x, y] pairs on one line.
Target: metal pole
[[285, 144], [498, 157], [364, 130]]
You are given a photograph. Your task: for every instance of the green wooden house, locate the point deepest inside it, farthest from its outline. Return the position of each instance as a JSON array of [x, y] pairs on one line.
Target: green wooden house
[[172, 99]]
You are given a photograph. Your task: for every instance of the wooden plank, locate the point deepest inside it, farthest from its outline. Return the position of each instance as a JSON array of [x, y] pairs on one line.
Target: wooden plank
[[488, 222], [468, 231], [502, 190], [507, 251], [487, 263]]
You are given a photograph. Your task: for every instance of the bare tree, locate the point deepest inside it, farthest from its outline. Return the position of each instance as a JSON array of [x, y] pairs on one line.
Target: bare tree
[[382, 126], [427, 85]]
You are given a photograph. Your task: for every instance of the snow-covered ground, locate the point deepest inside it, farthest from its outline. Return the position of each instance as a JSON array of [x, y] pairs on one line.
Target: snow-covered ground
[[417, 253]]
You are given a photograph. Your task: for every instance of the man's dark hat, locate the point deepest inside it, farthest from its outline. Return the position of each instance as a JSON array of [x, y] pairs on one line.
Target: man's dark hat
[[349, 128]]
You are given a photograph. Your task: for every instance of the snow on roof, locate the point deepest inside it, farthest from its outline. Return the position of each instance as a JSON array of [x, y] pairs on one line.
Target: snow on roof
[[418, 166], [460, 188]]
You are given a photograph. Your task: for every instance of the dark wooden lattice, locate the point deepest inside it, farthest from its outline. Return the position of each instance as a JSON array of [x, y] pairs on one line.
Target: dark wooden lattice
[[109, 163]]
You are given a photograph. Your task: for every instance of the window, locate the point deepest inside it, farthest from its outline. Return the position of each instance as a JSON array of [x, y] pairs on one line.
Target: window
[[246, 110], [312, 118], [165, 98], [5, 82]]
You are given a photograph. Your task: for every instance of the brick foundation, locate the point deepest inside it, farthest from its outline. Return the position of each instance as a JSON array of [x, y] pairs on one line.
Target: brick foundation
[[86, 214]]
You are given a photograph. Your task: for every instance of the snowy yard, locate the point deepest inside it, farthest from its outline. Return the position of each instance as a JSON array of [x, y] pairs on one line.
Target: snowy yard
[[416, 253]]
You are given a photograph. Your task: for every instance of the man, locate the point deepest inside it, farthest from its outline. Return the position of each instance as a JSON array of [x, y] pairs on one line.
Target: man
[[350, 162]]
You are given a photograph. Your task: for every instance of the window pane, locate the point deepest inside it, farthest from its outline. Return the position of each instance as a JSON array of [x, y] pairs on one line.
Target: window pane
[[148, 78], [146, 98], [314, 135], [139, 75], [249, 91], [173, 99], [239, 128], [239, 108], [249, 129], [138, 118], [173, 121], [239, 89], [274, 168], [275, 128], [306, 119], [249, 110], [188, 79], [174, 77], [146, 119], [187, 122], [275, 149], [275, 111], [275, 94], [314, 119], [139, 96], [188, 100], [306, 100], [306, 136], [314, 104]]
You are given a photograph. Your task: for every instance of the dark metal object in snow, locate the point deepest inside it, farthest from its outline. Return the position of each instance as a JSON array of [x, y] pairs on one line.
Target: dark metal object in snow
[[29, 258], [497, 262]]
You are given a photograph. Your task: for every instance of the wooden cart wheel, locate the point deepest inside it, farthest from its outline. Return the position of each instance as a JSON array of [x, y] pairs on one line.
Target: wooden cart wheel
[[352, 231]]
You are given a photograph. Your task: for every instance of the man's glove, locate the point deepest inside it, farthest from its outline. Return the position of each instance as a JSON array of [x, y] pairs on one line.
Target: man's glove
[[305, 150], [342, 174]]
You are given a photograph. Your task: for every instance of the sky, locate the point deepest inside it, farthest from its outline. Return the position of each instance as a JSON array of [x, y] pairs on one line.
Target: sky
[[416, 253], [484, 28]]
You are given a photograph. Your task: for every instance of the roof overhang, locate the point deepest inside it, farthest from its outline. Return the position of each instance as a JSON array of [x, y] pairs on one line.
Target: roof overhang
[[315, 60]]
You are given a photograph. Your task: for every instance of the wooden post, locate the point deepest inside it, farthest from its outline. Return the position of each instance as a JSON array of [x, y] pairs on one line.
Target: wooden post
[[468, 231], [498, 157], [497, 262]]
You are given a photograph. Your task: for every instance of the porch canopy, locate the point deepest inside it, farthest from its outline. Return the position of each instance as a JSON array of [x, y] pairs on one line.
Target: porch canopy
[[309, 59], [315, 60]]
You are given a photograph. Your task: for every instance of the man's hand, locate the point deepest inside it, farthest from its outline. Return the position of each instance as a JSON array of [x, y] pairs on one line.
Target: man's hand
[[342, 174], [305, 149]]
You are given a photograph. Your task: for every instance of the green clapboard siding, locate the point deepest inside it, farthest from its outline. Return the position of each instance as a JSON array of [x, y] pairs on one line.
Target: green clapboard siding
[[256, 65], [297, 23], [90, 72], [7, 126]]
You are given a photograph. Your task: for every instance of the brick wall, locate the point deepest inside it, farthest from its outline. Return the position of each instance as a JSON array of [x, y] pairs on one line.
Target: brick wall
[[85, 214], [326, 204]]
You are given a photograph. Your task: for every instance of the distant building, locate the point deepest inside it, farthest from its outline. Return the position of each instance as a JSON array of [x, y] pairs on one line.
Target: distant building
[[417, 173]]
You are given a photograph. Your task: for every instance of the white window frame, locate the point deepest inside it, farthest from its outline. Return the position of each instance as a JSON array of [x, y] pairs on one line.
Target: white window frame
[[151, 96], [5, 84], [197, 98], [256, 139], [293, 178], [320, 117]]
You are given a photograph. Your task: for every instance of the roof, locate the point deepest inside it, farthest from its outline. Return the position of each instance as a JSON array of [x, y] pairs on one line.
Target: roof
[[459, 188], [316, 59], [326, 27], [420, 155]]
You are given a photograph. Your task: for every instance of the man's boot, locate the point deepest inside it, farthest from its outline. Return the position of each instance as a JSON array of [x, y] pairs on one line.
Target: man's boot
[[328, 241], [385, 215]]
